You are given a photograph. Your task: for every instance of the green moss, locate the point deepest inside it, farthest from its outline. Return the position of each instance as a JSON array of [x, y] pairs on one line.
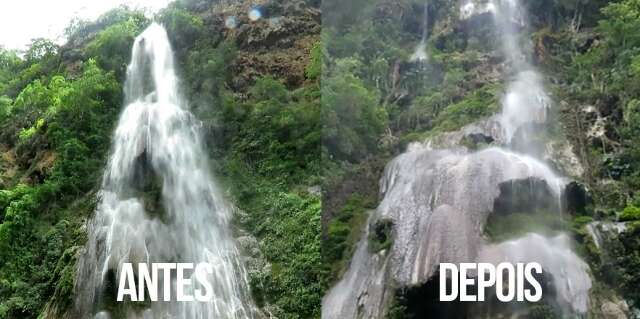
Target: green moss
[[314, 69], [478, 104], [381, 237], [344, 232], [579, 222], [503, 227]]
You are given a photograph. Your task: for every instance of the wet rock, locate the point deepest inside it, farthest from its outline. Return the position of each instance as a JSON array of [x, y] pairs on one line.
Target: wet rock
[[380, 237], [476, 140], [599, 131], [611, 310], [569, 273], [471, 136], [524, 195], [438, 201], [576, 198], [603, 233], [364, 291], [563, 158]]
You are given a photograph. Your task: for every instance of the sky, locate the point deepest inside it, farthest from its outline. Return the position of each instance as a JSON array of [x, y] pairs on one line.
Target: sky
[[23, 20]]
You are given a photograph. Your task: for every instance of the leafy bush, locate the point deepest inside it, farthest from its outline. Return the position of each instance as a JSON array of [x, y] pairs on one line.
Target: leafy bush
[[112, 46], [630, 213], [352, 119], [36, 227], [344, 231], [314, 69], [280, 134], [183, 27], [207, 69], [479, 104]]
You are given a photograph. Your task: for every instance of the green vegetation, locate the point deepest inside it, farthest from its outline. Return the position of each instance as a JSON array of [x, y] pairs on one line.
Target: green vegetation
[[112, 46], [272, 159], [60, 133], [343, 232], [381, 237], [543, 311], [630, 213], [479, 104], [58, 106], [597, 66], [352, 121], [375, 100], [501, 228]]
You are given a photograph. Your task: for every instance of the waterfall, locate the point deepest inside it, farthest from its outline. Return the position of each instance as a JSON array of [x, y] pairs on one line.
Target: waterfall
[[438, 196], [420, 53], [158, 202]]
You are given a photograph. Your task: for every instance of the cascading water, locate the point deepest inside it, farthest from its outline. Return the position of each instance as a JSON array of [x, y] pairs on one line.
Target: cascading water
[[438, 196], [157, 157], [420, 54]]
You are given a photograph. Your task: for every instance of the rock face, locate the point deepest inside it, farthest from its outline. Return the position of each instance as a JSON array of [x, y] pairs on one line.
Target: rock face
[[563, 157], [438, 201], [603, 232], [524, 195], [439, 194], [576, 198], [611, 310], [277, 43], [363, 291], [420, 186]]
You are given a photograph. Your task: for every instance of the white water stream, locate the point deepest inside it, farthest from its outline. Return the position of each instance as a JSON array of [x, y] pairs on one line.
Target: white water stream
[[438, 200], [157, 142], [420, 53]]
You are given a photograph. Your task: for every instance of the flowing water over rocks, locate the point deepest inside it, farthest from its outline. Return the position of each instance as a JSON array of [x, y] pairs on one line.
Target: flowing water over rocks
[[158, 202], [569, 272], [601, 231], [438, 195]]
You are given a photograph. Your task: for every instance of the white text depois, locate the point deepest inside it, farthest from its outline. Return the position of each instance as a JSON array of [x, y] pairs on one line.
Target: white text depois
[[468, 281]]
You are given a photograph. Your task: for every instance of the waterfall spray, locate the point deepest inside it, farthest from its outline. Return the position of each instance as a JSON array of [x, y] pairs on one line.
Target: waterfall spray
[[420, 53], [158, 202]]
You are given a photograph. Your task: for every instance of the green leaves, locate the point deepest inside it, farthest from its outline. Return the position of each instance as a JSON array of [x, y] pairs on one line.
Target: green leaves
[[112, 46], [314, 69], [352, 118], [279, 132], [66, 125], [630, 213], [183, 27], [40, 49], [623, 20]]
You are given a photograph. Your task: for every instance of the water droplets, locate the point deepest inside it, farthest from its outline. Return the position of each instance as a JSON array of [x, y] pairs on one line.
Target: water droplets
[[231, 22], [255, 13]]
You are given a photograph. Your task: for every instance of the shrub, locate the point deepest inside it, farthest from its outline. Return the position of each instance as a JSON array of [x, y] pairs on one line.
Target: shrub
[[630, 213], [353, 121], [112, 46]]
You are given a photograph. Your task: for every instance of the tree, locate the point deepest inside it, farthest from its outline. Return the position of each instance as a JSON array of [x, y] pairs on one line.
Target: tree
[[353, 119]]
